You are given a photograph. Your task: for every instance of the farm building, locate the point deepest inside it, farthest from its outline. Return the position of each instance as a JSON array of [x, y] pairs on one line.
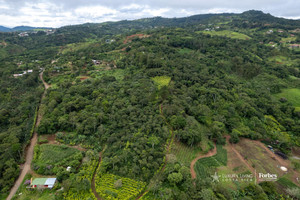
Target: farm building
[[43, 183]]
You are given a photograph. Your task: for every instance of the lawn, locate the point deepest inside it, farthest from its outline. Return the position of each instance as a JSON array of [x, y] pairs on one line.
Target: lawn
[[227, 33], [161, 81]]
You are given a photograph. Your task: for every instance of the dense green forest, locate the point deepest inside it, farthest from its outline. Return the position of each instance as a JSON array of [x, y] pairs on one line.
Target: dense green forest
[[138, 90]]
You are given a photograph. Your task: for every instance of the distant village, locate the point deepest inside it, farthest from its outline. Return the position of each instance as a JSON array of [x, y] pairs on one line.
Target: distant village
[[47, 31]]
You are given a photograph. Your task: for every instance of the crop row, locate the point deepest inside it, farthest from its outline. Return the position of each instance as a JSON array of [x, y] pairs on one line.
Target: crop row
[[205, 166], [105, 187]]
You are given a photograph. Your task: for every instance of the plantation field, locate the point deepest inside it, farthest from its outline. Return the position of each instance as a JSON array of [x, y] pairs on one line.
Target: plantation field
[[205, 166], [48, 156], [286, 183], [257, 157], [184, 154], [52, 154], [161, 81], [84, 177], [292, 95], [227, 33], [129, 188]]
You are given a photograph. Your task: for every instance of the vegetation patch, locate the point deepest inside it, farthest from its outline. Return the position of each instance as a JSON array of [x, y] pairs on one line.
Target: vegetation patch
[[204, 166], [227, 33], [292, 95], [161, 81], [283, 60], [48, 156], [110, 186], [185, 154]]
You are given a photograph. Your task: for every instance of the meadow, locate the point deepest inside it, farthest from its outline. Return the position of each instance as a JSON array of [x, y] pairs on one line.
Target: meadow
[[292, 95], [227, 33]]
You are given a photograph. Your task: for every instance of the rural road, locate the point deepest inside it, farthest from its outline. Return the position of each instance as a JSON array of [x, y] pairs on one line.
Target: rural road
[[209, 154], [93, 186], [29, 153]]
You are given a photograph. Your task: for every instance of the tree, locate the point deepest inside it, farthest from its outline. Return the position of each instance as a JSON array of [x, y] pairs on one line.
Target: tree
[[175, 178]]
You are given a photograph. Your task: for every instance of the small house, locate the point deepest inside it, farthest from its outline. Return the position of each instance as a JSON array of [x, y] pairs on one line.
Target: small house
[[43, 183]]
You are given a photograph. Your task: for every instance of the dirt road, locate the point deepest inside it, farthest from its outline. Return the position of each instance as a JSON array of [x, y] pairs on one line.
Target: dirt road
[[93, 186], [29, 153], [209, 154]]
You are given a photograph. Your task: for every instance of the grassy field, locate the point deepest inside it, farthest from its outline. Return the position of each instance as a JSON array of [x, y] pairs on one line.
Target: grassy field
[[75, 47], [288, 39], [282, 60], [292, 95], [117, 73], [227, 33], [161, 81], [128, 189]]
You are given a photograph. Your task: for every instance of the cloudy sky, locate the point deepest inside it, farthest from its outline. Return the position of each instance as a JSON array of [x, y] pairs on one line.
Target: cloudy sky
[[57, 13]]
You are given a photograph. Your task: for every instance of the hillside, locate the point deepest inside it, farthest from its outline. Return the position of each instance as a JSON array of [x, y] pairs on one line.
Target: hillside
[[133, 107]]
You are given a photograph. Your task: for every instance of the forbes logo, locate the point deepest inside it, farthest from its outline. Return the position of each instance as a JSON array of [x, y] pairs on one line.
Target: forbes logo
[[267, 176]]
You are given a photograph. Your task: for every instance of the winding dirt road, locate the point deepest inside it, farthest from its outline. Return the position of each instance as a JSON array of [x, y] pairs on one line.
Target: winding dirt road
[[209, 154], [29, 153]]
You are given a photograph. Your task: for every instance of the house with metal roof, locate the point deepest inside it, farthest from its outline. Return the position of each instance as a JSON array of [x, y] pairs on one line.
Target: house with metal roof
[[43, 183]]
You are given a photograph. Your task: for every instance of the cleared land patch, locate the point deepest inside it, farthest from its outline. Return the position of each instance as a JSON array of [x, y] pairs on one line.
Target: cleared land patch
[[48, 156], [226, 33], [292, 95], [161, 81]]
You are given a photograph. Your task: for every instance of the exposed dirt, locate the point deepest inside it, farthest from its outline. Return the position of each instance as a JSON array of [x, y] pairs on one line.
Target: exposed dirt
[[129, 38], [93, 179], [209, 154], [242, 159], [51, 140], [84, 78]]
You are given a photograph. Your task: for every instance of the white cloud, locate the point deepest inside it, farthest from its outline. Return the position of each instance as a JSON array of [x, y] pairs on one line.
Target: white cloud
[[56, 13]]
